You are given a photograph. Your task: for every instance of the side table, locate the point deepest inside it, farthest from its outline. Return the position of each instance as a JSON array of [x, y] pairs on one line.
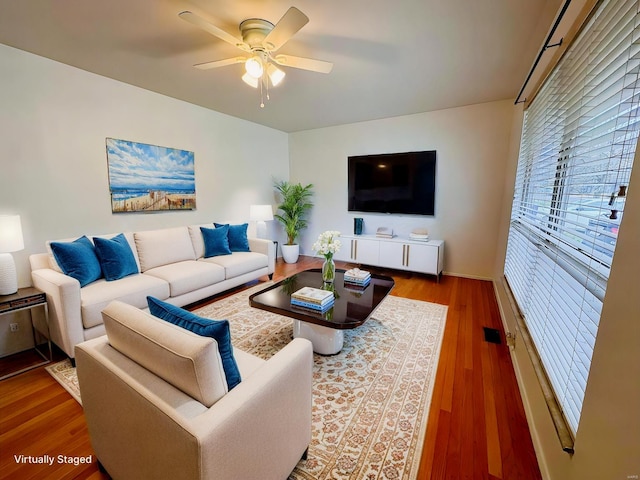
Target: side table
[[27, 299]]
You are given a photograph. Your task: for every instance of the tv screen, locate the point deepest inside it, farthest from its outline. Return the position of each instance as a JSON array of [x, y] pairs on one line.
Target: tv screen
[[393, 183]]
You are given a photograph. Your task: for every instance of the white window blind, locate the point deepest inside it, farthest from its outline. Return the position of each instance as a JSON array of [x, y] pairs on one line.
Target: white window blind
[[578, 143]]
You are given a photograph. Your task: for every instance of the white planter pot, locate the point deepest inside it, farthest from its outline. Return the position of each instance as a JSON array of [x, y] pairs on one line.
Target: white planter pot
[[290, 253]]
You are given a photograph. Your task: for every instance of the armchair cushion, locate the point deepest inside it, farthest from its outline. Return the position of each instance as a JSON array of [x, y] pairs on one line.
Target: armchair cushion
[[189, 362], [115, 256], [78, 260], [216, 329]]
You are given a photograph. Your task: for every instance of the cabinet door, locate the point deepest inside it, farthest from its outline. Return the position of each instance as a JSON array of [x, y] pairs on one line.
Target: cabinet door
[[409, 256], [345, 251], [358, 250], [422, 258], [366, 251], [393, 255]]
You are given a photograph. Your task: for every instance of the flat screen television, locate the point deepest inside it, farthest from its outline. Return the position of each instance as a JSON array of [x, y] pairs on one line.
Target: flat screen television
[[393, 183]]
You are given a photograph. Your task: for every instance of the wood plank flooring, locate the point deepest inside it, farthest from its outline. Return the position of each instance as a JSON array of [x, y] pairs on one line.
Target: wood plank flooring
[[476, 429]]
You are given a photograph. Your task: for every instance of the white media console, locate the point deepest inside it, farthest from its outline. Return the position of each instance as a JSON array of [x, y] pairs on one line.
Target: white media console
[[401, 253]]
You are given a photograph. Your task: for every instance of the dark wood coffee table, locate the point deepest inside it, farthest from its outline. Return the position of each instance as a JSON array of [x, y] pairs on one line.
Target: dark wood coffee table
[[353, 306]]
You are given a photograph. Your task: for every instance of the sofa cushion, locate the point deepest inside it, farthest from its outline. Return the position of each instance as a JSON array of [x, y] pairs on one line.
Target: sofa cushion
[[78, 260], [188, 276], [133, 290], [163, 247], [216, 241], [239, 263], [187, 361], [115, 256], [196, 238], [216, 329], [238, 241]]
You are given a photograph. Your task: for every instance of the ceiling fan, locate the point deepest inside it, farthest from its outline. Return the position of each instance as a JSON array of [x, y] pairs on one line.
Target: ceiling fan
[[260, 41]]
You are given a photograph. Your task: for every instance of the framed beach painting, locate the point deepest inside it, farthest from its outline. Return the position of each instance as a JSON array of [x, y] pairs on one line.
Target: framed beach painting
[[149, 178]]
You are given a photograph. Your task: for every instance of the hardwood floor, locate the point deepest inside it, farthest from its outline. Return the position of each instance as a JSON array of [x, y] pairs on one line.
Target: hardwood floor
[[476, 430]]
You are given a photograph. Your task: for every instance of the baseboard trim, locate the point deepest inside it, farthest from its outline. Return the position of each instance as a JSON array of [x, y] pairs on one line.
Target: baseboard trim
[[467, 275]]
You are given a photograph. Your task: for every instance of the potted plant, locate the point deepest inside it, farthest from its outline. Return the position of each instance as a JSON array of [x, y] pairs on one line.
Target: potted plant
[[292, 211]]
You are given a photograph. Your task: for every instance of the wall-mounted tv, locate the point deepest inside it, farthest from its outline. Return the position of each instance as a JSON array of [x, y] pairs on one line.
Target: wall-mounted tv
[[393, 183]]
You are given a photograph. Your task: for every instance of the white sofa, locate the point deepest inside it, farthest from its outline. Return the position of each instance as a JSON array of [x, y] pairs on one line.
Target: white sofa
[[154, 398], [171, 266]]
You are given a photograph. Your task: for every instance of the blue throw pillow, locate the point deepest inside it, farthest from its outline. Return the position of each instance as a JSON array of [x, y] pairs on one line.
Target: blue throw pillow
[[238, 241], [216, 329], [115, 257], [78, 260], [216, 241]]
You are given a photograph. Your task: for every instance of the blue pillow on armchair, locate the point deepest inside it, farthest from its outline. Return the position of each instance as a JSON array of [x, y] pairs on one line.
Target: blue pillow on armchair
[[78, 260], [217, 329], [238, 241]]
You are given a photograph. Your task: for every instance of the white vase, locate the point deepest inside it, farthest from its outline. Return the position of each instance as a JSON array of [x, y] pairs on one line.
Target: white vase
[[290, 253]]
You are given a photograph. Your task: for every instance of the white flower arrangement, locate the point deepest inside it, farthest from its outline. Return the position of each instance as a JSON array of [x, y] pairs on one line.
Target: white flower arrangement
[[327, 244]]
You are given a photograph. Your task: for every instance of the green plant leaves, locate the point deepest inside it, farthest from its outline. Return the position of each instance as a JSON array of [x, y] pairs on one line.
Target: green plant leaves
[[296, 204]]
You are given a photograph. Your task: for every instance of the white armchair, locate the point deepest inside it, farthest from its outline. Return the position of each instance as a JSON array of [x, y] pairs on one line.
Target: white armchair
[[166, 414]]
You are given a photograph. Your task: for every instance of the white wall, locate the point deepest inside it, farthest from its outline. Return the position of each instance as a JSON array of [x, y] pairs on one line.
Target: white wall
[[607, 444], [472, 145], [53, 123], [53, 167]]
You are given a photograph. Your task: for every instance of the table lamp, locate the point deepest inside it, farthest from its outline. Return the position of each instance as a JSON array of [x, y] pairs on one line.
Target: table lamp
[[261, 214], [10, 241]]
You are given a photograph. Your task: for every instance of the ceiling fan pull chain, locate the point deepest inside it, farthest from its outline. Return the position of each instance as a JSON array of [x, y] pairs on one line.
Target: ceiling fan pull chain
[[261, 94]]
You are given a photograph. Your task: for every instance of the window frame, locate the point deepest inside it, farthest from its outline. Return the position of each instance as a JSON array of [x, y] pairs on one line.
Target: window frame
[[561, 133]]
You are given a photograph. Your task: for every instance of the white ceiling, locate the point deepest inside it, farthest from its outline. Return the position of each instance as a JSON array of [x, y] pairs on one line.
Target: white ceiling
[[390, 58]]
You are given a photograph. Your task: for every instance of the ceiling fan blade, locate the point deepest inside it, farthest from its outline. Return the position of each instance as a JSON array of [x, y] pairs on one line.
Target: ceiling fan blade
[[220, 63], [303, 63], [212, 29], [292, 21]]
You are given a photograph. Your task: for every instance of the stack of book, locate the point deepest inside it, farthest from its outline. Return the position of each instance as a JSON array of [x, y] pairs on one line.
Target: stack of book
[[419, 234], [384, 232], [314, 299], [357, 277]]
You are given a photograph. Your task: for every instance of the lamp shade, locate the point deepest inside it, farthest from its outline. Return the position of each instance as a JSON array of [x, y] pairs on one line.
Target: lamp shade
[[10, 234], [254, 66], [249, 80], [275, 74], [260, 213]]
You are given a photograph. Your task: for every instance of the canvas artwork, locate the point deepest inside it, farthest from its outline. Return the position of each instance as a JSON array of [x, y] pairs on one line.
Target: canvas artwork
[[149, 178]]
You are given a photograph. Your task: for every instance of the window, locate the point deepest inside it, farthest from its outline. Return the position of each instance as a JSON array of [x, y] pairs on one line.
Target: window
[[578, 143]]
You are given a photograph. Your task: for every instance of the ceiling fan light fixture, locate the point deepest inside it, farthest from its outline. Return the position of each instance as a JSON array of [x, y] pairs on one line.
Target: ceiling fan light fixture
[[254, 67], [275, 74], [260, 39], [249, 80]]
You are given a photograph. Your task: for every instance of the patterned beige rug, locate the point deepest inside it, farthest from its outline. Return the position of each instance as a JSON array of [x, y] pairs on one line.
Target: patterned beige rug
[[370, 401], [66, 376]]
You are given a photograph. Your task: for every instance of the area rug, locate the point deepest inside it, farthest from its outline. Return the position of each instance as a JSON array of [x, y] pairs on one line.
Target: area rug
[[370, 401], [66, 376]]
